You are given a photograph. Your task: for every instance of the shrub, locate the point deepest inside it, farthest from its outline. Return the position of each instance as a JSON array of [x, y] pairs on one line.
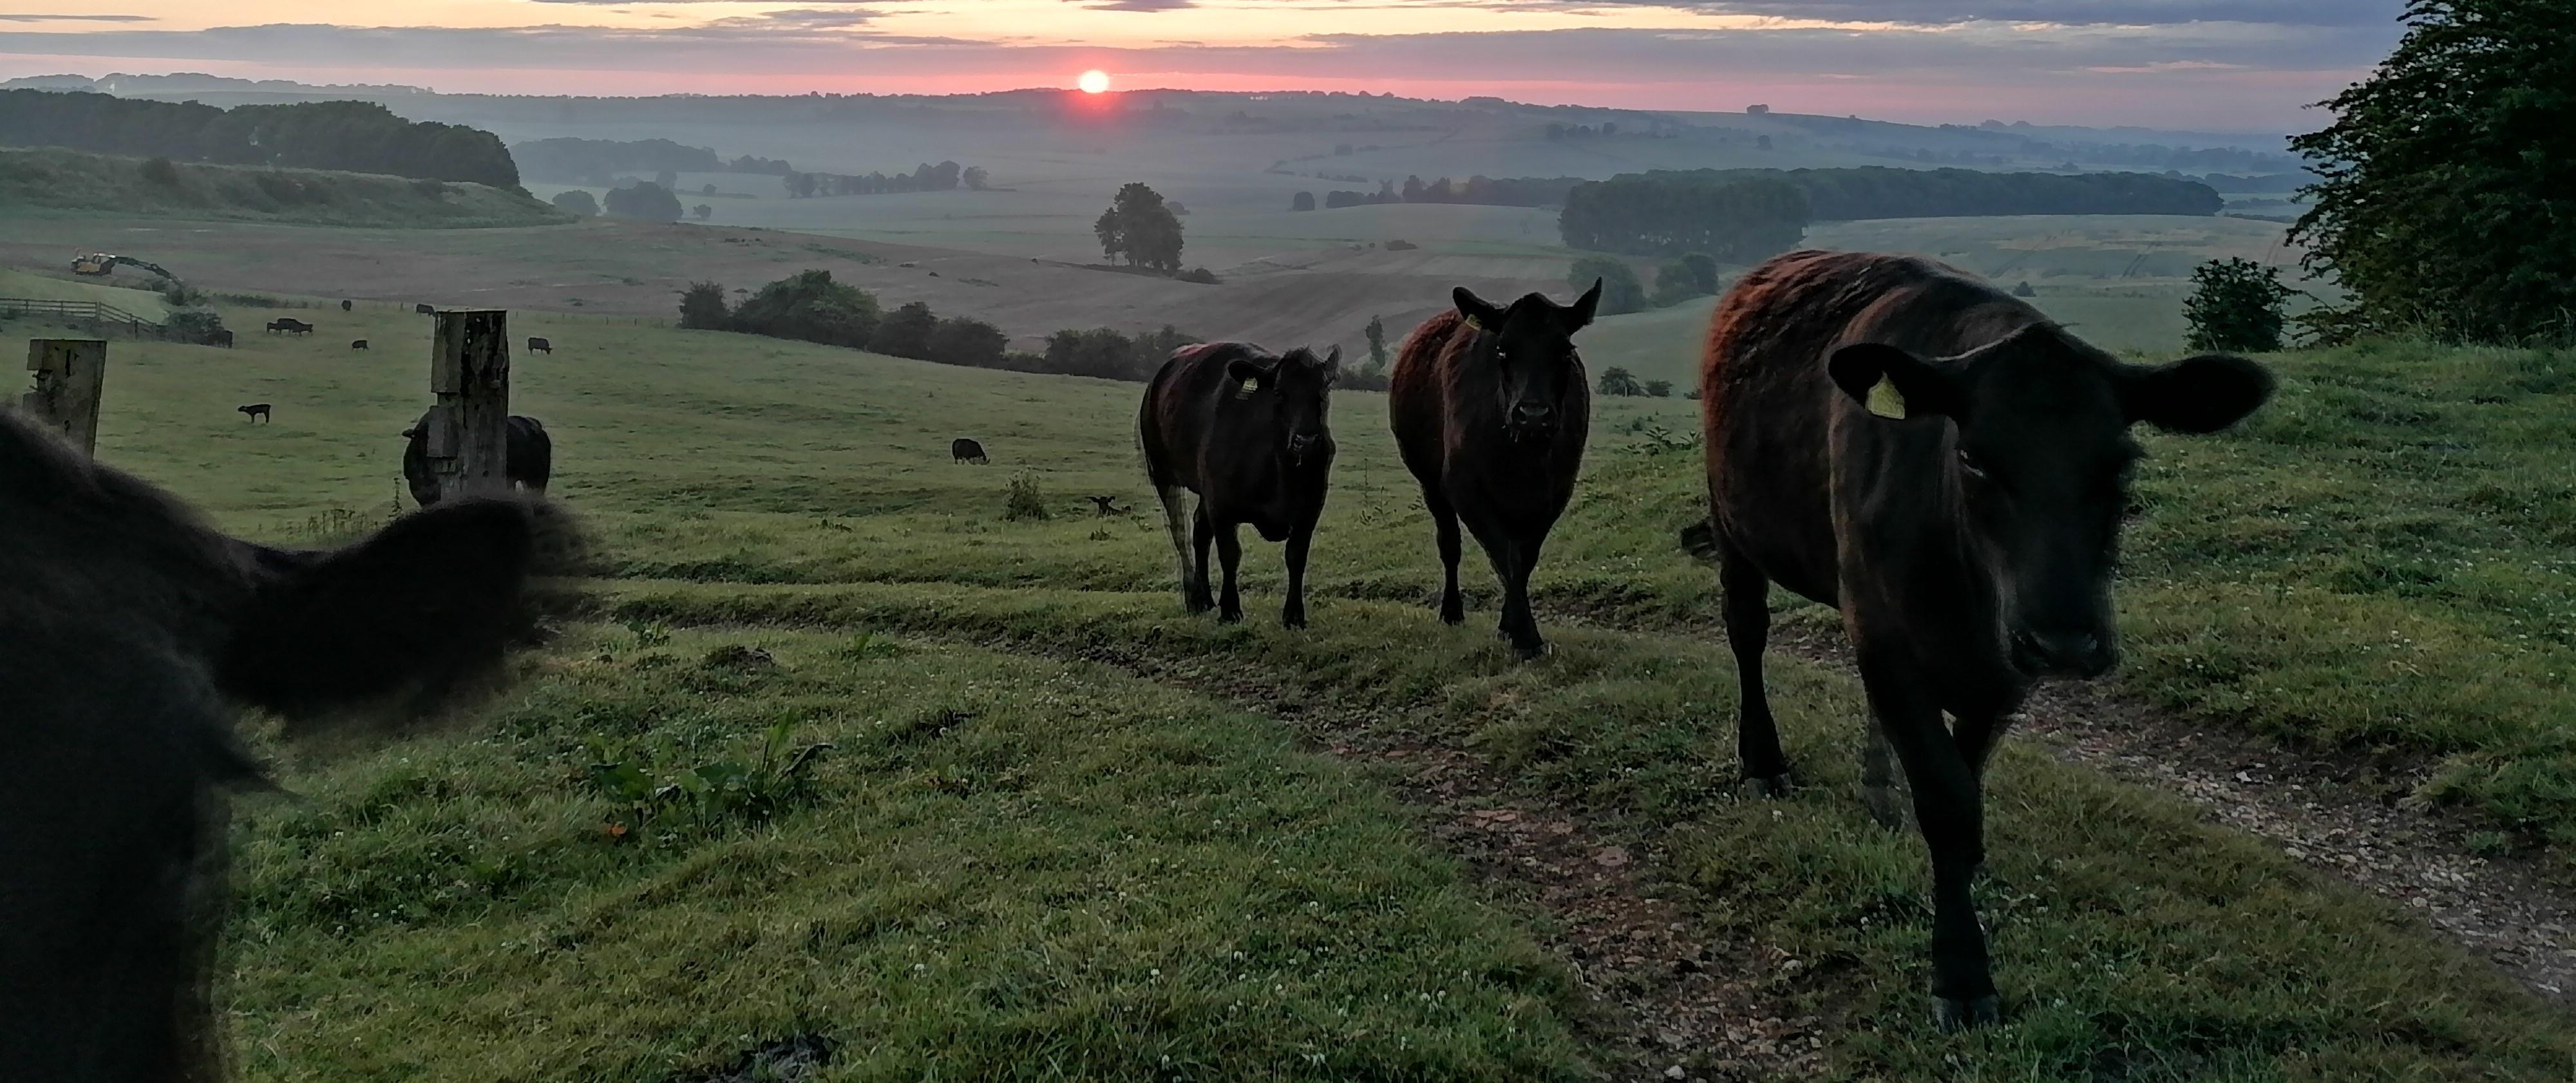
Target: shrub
[[1025, 500], [1200, 275], [1659, 389], [1619, 381], [810, 306], [962, 341], [651, 202], [578, 202], [1401, 246], [702, 307], [2024, 290], [1620, 290], [2235, 304], [161, 171], [707, 795]]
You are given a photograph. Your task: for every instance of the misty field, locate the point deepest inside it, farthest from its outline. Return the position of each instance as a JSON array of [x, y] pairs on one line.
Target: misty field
[[1064, 830]]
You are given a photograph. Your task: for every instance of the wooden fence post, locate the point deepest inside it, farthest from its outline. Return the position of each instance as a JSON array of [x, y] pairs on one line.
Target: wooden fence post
[[69, 374], [469, 372]]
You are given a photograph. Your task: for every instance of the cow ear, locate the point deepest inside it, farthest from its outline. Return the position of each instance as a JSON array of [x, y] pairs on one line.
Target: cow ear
[[1332, 364], [422, 610], [1245, 370], [1892, 383], [2196, 394], [1577, 316], [1480, 313]]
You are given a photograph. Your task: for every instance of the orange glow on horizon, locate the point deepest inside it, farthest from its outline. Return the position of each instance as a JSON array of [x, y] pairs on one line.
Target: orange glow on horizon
[[1094, 81]]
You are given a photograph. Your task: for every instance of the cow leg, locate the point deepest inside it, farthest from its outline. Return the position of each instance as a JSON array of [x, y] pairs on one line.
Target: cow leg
[[1978, 733], [1444, 522], [1175, 521], [1293, 613], [1517, 560], [1745, 595], [1200, 600], [1229, 548], [1877, 778], [1951, 814]]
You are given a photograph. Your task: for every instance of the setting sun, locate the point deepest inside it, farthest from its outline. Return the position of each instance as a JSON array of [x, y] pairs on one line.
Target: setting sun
[[1093, 82]]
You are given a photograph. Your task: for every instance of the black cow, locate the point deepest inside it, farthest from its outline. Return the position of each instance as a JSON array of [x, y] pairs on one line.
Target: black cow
[[221, 336], [359, 344], [967, 451], [290, 326], [133, 633], [1892, 437], [1491, 408], [425, 310], [257, 411], [1249, 433], [528, 462], [1107, 506], [538, 345], [345, 306]]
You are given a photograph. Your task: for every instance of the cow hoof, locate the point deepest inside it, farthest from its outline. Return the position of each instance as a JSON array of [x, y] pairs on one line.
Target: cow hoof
[[1199, 605], [1952, 1014], [1292, 620], [1531, 652], [1453, 611], [1779, 785], [1230, 616]]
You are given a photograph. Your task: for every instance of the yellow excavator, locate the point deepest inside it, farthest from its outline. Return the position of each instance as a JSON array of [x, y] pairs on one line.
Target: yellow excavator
[[101, 264]]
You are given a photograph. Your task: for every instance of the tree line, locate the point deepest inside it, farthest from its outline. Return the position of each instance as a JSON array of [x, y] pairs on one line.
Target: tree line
[[1480, 191], [946, 176], [1873, 191], [1734, 220], [355, 137]]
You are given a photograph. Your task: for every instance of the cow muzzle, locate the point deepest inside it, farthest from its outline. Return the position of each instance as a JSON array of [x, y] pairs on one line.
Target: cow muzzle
[[1531, 421], [2039, 653]]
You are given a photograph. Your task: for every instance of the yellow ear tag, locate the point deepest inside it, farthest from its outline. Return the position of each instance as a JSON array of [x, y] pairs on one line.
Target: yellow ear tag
[[1475, 324], [1245, 391], [1885, 400]]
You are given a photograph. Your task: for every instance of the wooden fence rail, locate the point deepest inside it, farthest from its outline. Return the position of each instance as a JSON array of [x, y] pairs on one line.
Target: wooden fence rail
[[97, 314]]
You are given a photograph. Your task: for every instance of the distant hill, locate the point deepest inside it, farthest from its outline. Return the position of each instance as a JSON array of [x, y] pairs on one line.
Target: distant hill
[[70, 180]]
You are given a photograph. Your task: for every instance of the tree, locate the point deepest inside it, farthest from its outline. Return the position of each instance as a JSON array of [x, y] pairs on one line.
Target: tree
[[1762, 142], [808, 305], [2235, 304], [1675, 283], [706, 189], [1376, 333], [1304, 201], [1413, 189], [577, 201], [703, 212], [944, 176], [702, 308], [1620, 291], [906, 332], [1140, 227], [1703, 269], [1619, 381], [1659, 389], [2447, 198], [651, 202], [670, 181], [976, 179]]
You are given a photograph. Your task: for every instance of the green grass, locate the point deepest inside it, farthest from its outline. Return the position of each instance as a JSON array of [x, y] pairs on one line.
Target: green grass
[[141, 302], [62, 180], [449, 907]]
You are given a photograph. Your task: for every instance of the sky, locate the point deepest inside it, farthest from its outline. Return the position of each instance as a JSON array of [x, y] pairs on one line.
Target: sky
[[2209, 65]]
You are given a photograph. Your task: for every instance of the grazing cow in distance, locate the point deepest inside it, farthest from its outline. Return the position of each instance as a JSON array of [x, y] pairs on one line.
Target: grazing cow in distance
[[538, 345], [135, 633], [359, 344], [221, 336], [257, 411], [1491, 408], [1947, 466], [286, 325], [528, 459], [344, 306], [1107, 506], [964, 450], [1249, 433], [425, 310]]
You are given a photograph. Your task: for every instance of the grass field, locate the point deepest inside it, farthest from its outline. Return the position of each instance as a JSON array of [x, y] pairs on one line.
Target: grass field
[[1066, 831], [62, 180]]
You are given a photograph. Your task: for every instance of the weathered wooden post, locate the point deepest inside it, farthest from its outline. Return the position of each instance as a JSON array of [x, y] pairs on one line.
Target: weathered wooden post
[[69, 374], [469, 372]]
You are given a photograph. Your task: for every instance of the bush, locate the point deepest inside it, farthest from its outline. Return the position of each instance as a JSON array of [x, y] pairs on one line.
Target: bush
[[1659, 389], [1304, 201], [1025, 500], [2024, 290], [1619, 381], [702, 307], [1200, 275], [577, 201], [196, 327], [906, 332], [2235, 304], [961, 341], [161, 171], [705, 796], [647, 201], [810, 306], [1401, 246], [1620, 290]]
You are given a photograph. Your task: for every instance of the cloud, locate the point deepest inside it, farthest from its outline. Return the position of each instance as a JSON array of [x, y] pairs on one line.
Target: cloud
[[805, 18], [1138, 5], [2344, 13], [12, 17]]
